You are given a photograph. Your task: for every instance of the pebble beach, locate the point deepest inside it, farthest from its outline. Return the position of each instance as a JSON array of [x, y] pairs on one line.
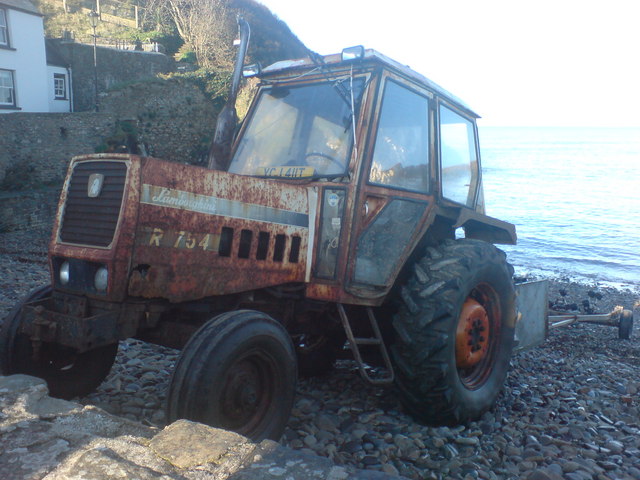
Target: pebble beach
[[570, 408]]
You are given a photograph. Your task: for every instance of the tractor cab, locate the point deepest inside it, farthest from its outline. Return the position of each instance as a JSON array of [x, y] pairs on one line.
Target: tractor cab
[[388, 152]]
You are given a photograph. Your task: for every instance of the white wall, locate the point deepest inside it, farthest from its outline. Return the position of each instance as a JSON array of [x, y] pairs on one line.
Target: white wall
[[57, 105], [27, 58]]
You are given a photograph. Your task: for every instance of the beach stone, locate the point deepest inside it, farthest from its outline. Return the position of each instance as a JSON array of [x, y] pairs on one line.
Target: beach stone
[[326, 422], [570, 466], [634, 472], [352, 446], [609, 466], [310, 441], [513, 451], [438, 442], [389, 469], [403, 442], [538, 475], [467, 440], [614, 446]]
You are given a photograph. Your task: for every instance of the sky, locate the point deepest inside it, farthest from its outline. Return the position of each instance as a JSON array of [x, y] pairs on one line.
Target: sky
[[515, 62]]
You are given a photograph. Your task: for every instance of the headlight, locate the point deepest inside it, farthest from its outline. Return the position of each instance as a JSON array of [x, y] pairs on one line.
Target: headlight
[[64, 273], [101, 279]]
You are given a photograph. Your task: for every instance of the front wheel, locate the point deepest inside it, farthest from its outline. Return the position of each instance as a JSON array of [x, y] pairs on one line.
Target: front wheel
[[454, 332], [68, 373], [238, 372]]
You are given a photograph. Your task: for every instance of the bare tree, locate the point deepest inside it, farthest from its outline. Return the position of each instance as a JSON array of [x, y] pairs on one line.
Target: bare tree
[[206, 25]]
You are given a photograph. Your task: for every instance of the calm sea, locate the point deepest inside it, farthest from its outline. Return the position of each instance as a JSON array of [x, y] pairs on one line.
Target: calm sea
[[574, 196]]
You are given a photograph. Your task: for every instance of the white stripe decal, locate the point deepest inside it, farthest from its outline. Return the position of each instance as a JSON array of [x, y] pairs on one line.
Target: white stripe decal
[[313, 210], [195, 202]]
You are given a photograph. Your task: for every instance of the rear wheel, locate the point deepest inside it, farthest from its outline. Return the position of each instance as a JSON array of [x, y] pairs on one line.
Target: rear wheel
[[455, 332], [68, 373], [238, 372]]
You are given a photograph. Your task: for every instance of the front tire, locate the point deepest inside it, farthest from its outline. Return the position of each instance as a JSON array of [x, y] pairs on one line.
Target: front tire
[[68, 373], [238, 372], [454, 332]]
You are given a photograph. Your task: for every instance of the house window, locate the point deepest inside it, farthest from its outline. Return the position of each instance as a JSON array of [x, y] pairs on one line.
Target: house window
[[7, 89], [4, 31], [60, 86]]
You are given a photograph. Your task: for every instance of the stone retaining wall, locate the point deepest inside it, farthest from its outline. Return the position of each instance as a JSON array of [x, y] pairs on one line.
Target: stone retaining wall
[[35, 148], [28, 209], [113, 67], [171, 119]]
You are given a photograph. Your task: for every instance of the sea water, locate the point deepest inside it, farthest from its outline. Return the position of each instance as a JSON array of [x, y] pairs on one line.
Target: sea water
[[574, 196]]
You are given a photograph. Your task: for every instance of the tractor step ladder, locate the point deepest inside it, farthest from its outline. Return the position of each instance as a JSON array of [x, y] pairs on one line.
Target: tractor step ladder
[[376, 340]]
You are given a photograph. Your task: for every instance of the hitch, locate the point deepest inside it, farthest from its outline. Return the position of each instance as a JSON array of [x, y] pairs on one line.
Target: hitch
[[619, 317]]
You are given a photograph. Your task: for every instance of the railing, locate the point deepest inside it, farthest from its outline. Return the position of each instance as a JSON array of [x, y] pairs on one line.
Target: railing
[[127, 45], [114, 43]]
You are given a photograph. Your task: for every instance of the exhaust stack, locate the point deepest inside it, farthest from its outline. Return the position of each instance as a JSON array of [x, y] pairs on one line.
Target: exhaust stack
[[227, 118]]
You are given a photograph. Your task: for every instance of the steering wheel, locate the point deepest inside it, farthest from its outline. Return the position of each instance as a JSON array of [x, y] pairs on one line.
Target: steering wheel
[[326, 156]]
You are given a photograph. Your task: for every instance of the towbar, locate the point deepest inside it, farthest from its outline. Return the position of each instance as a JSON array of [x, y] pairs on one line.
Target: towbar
[[619, 317]]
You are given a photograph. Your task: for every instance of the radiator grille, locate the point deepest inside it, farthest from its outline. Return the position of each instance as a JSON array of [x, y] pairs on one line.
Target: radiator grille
[[93, 221]]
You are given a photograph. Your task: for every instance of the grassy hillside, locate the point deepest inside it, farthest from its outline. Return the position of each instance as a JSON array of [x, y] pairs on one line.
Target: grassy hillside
[[271, 38]]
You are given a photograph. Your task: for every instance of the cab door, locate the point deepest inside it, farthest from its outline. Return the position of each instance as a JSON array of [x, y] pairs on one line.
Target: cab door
[[395, 196]]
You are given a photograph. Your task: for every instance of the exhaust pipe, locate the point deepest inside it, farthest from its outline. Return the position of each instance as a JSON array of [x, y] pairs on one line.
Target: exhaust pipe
[[227, 118]]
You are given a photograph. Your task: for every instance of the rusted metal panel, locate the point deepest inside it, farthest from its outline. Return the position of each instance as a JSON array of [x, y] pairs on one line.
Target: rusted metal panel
[[116, 255], [202, 233]]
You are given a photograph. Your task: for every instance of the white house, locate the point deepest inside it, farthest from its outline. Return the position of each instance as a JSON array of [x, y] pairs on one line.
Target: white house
[[27, 82], [59, 81]]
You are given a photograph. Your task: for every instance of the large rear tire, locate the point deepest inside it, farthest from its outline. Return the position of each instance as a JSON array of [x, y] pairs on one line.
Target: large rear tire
[[238, 372], [68, 373], [454, 332]]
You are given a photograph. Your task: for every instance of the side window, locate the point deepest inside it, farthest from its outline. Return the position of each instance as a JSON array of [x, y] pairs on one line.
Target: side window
[[458, 157], [7, 89], [401, 149], [4, 29]]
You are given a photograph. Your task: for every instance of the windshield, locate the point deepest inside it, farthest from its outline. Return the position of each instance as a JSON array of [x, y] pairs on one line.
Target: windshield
[[297, 132]]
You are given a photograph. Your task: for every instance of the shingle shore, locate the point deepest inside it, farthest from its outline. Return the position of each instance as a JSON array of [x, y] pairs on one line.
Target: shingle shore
[[569, 410]]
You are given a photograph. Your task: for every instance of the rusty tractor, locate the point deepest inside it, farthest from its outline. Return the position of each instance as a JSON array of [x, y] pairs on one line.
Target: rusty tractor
[[332, 217]]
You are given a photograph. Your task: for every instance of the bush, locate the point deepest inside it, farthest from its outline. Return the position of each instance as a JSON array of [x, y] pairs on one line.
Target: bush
[[214, 83]]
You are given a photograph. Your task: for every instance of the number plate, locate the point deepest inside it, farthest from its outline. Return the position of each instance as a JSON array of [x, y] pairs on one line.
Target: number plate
[[286, 172]]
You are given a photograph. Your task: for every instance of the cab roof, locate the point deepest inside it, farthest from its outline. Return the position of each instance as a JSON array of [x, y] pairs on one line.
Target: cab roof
[[370, 57]]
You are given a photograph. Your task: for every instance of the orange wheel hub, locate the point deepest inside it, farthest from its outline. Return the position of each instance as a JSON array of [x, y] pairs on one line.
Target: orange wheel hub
[[472, 335]]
